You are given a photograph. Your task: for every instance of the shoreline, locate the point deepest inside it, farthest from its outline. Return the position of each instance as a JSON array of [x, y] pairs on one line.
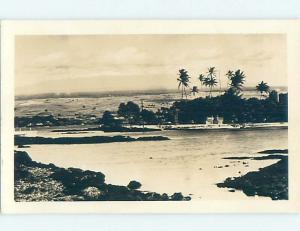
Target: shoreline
[[35, 181], [24, 140], [270, 181], [154, 128]]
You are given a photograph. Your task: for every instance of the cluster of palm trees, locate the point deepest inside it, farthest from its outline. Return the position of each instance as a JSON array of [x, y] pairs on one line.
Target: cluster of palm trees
[[236, 79], [208, 80]]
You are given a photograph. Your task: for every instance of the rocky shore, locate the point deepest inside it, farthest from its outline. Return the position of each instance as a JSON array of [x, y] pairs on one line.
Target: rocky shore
[[47, 182], [271, 181], [25, 140]]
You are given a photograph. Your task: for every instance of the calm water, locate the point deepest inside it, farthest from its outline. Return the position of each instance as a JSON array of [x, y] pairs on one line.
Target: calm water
[[186, 163]]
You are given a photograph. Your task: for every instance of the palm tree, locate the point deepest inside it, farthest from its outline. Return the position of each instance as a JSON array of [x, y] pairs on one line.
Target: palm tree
[[237, 79], [201, 79], [262, 87], [183, 80], [194, 90], [210, 80], [229, 75]]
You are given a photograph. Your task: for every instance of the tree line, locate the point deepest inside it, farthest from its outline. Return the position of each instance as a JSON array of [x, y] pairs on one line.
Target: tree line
[[230, 105], [236, 81]]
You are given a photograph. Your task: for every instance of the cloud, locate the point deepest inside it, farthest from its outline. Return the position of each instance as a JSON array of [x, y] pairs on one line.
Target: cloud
[[131, 58]]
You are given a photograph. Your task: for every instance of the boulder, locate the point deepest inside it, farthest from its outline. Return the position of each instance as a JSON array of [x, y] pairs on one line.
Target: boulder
[[133, 185], [92, 193], [22, 158], [177, 197]]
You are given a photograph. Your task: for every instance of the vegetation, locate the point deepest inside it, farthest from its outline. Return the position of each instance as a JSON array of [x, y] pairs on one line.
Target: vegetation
[[108, 120], [201, 79], [232, 108], [210, 81], [237, 79], [230, 105], [130, 111], [183, 81], [194, 90], [263, 87]]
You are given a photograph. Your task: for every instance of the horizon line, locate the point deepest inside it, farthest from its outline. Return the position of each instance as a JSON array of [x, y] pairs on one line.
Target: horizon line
[[156, 90]]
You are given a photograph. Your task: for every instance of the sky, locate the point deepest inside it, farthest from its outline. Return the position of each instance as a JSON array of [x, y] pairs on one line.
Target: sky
[[97, 63]]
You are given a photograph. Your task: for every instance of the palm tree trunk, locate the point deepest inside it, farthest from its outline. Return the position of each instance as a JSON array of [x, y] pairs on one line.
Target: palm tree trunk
[[182, 92]]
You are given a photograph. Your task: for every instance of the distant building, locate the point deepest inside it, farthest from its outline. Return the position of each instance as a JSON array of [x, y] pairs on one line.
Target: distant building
[[214, 120], [274, 96], [283, 98]]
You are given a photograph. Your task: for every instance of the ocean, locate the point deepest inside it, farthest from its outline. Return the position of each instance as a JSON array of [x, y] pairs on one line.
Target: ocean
[[190, 162]]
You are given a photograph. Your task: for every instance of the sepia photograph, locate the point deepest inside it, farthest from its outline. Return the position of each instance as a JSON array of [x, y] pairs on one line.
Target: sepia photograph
[[193, 117]]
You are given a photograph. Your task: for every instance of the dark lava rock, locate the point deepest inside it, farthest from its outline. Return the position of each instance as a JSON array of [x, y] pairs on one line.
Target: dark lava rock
[[134, 185], [47, 182], [271, 181], [275, 151], [22, 158], [177, 197]]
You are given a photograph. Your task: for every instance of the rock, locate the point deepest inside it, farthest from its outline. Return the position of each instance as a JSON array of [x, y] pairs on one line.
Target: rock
[[92, 193], [270, 181], [52, 166], [75, 170], [47, 182], [152, 196], [117, 190], [164, 197], [177, 197], [22, 158], [134, 185], [23, 146]]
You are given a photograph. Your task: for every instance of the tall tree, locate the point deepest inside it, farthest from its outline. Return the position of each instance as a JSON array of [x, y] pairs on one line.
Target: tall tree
[[194, 90], [229, 74], [201, 79], [237, 79], [183, 81], [210, 80], [262, 87], [130, 111]]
